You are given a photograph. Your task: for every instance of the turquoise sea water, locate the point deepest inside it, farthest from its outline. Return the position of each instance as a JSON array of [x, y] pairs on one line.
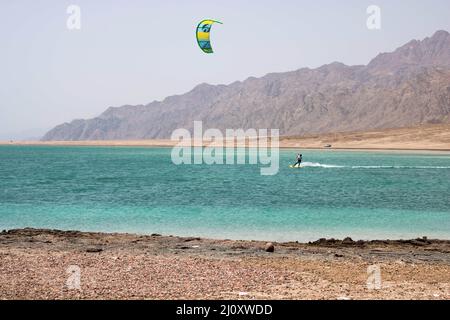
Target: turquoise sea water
[[118, 189]]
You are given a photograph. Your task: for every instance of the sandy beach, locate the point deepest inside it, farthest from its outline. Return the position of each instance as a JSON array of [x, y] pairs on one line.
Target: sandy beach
[[37, 264]]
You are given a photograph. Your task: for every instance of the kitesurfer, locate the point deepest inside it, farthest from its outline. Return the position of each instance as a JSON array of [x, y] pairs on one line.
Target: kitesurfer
[[299, 160]]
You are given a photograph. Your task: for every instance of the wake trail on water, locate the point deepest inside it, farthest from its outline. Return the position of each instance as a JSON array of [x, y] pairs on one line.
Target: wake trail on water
[[320, 165]]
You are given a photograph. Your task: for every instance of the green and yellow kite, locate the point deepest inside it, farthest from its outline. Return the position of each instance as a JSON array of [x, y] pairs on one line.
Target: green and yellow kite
[[203, 30]]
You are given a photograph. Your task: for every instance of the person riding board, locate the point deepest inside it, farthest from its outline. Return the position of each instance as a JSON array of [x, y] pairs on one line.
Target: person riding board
[[299, 160]]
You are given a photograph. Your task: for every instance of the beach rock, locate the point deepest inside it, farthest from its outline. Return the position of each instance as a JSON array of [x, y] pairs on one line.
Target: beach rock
[[418, 242], [321, 241], [155, 235], [424, 240], [94, 250], [191, 239], [269, 247], [348, 240], [326, 242]]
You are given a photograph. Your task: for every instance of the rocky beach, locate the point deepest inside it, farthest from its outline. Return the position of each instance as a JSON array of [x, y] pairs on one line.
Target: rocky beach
[[42, 264]]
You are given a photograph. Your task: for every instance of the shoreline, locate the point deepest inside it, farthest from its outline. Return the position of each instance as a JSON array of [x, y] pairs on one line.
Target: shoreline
[[130, 266], [171, 144], [30, 231], [424, 138]]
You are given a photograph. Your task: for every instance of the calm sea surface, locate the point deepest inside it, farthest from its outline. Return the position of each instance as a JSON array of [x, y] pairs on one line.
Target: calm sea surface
[[118, 189]]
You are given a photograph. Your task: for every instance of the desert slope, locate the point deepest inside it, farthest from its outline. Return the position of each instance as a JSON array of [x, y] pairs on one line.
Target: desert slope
[[407, 87]]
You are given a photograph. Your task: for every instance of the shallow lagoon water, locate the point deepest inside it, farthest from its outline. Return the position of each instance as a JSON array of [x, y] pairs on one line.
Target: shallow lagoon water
[[365, 195]]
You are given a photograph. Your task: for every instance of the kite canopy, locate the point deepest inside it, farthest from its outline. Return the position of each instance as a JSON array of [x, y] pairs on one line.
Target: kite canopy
[[203, 30]]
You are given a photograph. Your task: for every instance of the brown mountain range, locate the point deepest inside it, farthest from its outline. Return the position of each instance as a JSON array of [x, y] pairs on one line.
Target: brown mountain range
[[407, 87]]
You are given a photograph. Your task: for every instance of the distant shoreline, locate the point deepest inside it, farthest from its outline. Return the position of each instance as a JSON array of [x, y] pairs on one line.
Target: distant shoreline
[[170, 144], [428, 138]]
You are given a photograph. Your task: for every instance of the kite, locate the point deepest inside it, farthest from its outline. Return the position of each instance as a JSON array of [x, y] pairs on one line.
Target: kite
[[203, 29]]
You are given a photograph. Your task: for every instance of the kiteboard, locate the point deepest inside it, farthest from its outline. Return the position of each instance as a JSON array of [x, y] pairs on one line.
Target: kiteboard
[[297, 166]]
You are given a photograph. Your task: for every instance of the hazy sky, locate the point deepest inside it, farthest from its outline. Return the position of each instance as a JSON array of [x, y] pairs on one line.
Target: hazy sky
[[133, 52]]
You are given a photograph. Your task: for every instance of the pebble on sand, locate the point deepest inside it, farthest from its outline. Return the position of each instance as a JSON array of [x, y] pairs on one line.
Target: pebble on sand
[[269, 247]]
